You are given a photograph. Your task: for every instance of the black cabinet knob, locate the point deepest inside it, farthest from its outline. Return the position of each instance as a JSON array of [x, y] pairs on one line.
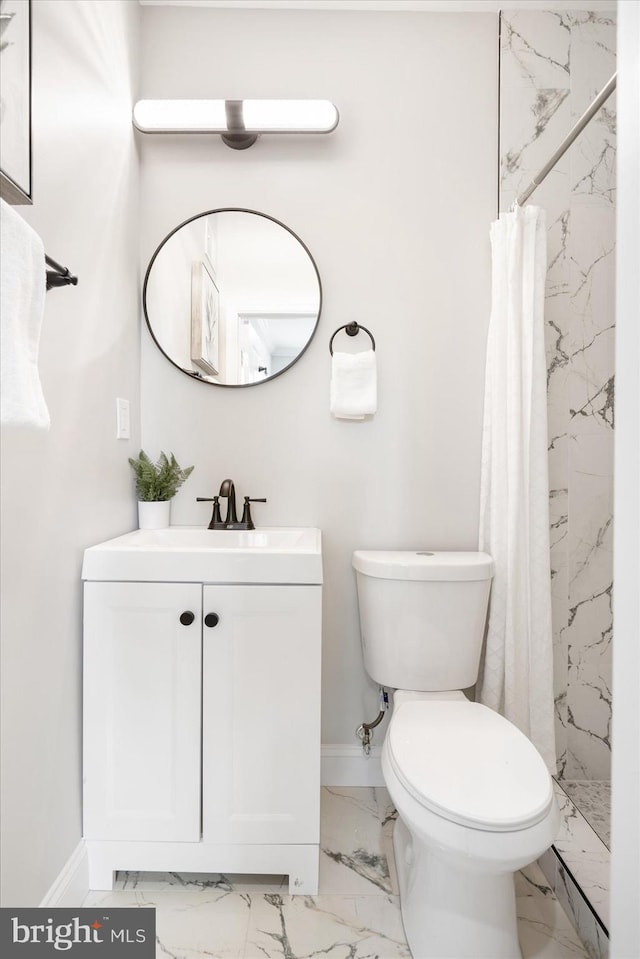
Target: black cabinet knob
[[211, 619], [187, 617]]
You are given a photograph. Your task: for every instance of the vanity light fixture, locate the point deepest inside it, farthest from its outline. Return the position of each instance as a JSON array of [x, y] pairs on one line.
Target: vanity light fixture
[[238, 122]]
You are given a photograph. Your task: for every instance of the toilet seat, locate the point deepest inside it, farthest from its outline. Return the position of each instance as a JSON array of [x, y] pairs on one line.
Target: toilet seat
[[469, 765]]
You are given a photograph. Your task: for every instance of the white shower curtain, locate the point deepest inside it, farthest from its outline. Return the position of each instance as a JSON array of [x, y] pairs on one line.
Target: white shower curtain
[[516, 675]]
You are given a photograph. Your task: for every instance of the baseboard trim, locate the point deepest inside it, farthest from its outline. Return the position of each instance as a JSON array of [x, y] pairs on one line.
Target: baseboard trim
[[70, 888], [344, 764]]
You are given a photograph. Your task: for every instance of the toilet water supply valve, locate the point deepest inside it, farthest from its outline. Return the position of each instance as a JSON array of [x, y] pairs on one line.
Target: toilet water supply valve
[[363, 732]]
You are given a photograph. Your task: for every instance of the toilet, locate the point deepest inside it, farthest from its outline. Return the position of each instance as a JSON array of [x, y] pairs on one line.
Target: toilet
[[474, 798]]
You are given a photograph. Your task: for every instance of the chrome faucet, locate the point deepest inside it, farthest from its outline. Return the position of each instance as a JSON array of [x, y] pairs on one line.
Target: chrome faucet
[[228, 492]]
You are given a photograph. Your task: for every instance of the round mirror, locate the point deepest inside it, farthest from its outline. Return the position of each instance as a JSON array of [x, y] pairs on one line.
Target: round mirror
[[232, 297]]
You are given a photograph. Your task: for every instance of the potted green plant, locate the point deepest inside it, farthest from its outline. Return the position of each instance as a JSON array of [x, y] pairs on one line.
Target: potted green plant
[[156, 485]]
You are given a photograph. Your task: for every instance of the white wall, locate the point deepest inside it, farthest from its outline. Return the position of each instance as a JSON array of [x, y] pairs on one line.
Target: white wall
[[168, 292], [395, 207], [625, 870], [70, 487]]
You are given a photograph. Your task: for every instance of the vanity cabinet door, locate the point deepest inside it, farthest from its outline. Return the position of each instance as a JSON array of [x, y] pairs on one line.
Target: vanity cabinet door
[[261, 714], [142, 716]]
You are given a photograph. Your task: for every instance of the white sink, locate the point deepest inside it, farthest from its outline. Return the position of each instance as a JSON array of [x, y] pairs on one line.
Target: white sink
[[193, 554]]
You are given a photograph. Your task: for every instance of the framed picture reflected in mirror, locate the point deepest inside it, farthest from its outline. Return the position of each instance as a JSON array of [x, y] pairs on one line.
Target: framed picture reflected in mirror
[[15, 102], [205, 318]]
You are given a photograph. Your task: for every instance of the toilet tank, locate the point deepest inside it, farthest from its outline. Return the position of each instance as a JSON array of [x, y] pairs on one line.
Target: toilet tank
[[422, 616]]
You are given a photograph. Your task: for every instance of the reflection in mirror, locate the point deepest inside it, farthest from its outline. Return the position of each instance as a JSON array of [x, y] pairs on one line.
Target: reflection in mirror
[[232, 297]]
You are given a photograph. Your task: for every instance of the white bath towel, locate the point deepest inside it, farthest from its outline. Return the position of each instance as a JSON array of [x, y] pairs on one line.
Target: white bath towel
[[354, 389], [22, 292]]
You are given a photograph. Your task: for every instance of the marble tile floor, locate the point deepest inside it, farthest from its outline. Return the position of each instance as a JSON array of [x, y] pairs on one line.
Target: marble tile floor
[[593, 800], [355, 916]]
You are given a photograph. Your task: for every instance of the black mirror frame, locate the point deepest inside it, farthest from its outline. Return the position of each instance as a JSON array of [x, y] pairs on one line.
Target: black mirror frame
[[192, 374]]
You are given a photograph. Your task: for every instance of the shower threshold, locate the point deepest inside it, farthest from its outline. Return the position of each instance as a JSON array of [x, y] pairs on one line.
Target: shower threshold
[[577, 868]]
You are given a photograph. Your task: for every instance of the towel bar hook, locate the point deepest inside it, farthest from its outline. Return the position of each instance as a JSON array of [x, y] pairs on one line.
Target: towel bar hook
[[352, 329]]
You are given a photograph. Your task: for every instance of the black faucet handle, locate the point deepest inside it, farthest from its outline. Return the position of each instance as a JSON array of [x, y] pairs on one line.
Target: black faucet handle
[[216, 520], [247, 521]]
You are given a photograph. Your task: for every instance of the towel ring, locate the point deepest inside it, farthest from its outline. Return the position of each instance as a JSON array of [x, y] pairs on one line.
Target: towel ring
[[352, 329]]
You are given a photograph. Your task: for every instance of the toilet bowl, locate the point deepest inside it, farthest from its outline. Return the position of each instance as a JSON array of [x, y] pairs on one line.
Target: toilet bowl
[[474, 798], [475, 804]]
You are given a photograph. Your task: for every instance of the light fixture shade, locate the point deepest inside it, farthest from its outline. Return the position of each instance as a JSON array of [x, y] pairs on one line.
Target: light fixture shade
[[235, 116], [180, 116]]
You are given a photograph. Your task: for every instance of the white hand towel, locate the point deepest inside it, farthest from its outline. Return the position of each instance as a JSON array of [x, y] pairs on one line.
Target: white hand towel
[[354, 392], [22, 292]]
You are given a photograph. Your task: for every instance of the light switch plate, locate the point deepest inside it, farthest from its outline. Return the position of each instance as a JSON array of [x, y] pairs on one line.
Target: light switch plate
[[123, 419]]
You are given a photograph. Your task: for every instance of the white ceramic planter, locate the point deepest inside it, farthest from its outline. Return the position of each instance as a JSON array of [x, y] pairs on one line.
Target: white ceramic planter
[[154, 515]]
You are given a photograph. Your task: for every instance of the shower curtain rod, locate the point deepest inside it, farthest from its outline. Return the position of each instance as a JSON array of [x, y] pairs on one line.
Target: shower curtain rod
[[591, 110]]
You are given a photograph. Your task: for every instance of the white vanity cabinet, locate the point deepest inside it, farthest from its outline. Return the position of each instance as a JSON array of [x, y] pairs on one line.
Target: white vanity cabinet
[[261, 713], [142, 711], [202, 729]]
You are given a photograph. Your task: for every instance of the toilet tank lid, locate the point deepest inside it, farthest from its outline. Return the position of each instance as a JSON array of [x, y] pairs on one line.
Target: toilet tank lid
[[423, 564]]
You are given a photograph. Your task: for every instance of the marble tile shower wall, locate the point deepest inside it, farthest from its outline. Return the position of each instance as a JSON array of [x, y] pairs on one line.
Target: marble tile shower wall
[[553, 63]]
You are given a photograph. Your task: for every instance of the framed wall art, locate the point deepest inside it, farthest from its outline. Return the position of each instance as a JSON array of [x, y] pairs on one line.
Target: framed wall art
[[15, 101], [205, 318]]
